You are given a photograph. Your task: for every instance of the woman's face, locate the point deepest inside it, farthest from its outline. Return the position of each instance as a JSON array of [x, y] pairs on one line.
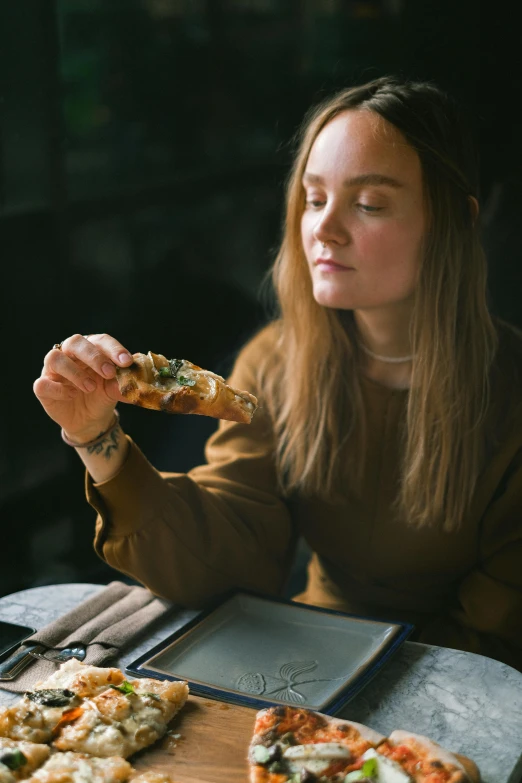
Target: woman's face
[[364, 218]]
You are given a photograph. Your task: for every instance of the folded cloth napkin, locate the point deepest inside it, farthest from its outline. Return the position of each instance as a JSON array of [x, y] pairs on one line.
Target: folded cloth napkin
[[106, 624]]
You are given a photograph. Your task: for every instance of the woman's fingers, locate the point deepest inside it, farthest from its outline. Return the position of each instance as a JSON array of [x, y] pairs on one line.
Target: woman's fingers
[[82, 359], [46, 389], [113, 391], [78, 386], [58, 363], [111, 348]]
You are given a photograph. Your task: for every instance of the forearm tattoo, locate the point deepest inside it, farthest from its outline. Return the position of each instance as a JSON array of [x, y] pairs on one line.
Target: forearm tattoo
[[108, 445]]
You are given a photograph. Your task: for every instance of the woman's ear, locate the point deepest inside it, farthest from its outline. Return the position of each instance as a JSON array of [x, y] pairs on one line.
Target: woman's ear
[[474, 208]]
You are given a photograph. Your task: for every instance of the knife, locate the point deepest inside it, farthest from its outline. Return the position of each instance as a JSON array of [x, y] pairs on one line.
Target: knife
[[16, 663]]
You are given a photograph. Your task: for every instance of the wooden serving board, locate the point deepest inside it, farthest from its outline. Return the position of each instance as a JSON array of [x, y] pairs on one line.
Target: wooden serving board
[[212, 747]]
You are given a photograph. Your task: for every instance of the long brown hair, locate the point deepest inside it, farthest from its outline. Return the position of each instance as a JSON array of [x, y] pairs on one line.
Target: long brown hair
[[315, 396]]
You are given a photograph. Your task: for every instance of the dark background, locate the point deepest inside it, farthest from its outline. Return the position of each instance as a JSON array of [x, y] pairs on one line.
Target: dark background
[[144, 146]]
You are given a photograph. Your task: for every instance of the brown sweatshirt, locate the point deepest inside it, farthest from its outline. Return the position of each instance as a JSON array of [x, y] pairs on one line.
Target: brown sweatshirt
[[190, 537]]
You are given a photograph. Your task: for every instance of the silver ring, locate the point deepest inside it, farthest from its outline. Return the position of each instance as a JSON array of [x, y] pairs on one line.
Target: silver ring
[[58, 346]]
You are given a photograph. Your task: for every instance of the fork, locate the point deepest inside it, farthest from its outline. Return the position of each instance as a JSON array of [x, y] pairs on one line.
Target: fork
[[56, 655], [17, 662]]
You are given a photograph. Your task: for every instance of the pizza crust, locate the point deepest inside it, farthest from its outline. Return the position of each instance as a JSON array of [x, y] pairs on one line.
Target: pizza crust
[[141, 384], [471, 768], [370, 735], [81, 678], [466, 769]]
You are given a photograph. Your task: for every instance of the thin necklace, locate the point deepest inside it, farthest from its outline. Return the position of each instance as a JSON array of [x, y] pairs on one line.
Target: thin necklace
[[387, 359]]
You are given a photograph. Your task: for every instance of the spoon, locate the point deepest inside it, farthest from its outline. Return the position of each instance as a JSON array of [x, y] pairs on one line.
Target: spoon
[[78, 651]]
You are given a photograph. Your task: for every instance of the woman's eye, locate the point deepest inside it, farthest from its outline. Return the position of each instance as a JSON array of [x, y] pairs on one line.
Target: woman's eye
[[369, 208], [314, 203]]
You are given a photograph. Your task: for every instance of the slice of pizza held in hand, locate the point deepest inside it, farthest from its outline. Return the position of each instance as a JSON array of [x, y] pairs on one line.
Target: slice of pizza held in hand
[[178, 386]]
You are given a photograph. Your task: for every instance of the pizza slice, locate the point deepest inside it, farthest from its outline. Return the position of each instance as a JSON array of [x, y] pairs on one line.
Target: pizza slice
[[122, 719], [91, 709], [37, 716], [18, 759], [82, 768], [421, 760], [301, 746], [178, 386], [295, 745]]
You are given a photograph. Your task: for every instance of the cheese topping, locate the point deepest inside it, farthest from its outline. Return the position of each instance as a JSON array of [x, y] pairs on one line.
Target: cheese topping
[[80, 768], [319, 750], [315, 757], [203, 379]]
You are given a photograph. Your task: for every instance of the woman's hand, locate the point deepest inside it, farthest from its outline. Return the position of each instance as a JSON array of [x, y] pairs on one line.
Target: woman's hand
[[78, 387]]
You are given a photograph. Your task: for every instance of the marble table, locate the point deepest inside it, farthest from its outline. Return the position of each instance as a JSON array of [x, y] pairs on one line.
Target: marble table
[[468, 703]]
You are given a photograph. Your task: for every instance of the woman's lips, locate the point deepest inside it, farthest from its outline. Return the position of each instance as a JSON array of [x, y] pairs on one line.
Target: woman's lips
[[327, 265]]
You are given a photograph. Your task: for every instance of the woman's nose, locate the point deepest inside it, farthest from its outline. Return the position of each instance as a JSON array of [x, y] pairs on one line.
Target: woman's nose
[[330, 228]]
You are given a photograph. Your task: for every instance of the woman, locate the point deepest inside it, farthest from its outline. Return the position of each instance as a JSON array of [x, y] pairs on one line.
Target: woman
[[389, 433]]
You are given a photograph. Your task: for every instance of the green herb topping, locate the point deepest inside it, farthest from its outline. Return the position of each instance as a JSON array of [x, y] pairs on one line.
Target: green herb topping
[[185, 381], [126, 687], [51, 697], [172, 372], [368, 770], [13, 759]]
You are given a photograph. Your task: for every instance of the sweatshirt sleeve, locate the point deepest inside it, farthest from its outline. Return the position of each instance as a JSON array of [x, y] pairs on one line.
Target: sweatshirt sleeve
[[190, 537], [488, 616]]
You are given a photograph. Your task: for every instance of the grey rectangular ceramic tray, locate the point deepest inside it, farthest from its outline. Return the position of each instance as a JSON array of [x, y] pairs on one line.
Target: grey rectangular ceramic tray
[[259, 651]]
